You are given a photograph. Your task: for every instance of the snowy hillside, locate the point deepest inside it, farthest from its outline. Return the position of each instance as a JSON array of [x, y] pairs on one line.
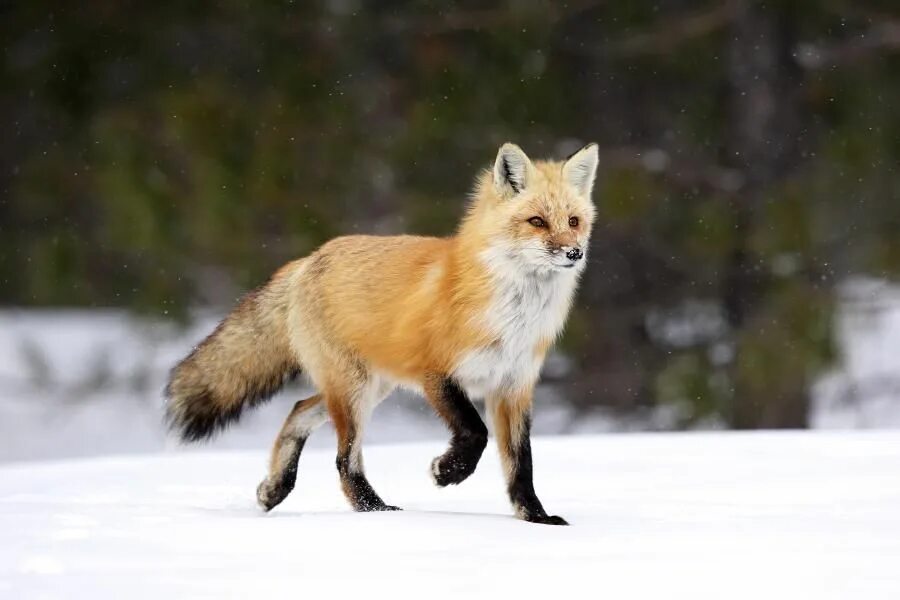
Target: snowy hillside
[[764, 515]]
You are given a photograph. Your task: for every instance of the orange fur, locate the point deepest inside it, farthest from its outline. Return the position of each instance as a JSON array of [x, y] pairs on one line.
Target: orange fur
[[509, 414]]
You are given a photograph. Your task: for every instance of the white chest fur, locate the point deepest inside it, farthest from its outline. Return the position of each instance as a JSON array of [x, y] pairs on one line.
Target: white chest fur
[[524, 311]]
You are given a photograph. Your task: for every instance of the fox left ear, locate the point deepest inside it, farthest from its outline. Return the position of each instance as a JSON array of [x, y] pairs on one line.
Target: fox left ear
[[580, 169]]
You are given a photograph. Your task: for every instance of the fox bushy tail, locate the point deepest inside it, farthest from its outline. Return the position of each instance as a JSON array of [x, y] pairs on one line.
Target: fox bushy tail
[[241, 364]]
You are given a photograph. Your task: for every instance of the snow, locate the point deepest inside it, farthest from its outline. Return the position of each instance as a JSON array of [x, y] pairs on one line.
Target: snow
[[712, 515]]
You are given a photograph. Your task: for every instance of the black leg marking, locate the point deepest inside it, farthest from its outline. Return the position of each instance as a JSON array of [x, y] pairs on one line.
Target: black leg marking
[[358, 489], [271, 493], [521, 483], [301, 422], [469, 434]]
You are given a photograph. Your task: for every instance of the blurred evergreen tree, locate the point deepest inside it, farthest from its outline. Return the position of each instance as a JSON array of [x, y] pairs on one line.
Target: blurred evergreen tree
[[164, 155]]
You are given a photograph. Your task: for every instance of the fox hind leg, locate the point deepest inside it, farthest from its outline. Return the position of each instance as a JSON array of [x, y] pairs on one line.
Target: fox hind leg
[[305, 417], [468, 432], [349, 415]]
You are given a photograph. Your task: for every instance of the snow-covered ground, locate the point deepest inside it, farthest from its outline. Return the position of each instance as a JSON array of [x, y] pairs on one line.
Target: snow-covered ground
[[712, 515]]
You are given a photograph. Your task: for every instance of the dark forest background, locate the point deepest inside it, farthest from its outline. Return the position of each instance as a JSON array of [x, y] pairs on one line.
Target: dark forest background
[[164, 156]]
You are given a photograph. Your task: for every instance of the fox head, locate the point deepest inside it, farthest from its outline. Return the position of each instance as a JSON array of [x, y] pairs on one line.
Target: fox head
[[535, 216]]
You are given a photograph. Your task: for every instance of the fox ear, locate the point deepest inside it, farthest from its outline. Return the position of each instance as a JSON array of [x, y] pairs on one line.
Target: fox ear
[[580, 169], [511, 170]]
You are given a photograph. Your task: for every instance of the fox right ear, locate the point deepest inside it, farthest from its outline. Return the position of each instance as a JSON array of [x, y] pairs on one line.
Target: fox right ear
[[511, 170]]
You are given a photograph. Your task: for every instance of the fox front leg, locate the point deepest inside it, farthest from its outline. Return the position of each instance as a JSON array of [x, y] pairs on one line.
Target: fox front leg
[[512, 426], [468, 432]]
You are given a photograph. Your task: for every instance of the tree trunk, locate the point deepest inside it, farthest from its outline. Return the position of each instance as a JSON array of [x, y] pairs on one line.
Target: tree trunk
[[764, 114]]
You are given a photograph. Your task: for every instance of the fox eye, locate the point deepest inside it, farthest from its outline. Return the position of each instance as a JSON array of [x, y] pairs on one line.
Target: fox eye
[[537, 222], [573, 221]]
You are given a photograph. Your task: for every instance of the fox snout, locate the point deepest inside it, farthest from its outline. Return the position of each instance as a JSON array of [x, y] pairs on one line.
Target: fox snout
[[573, 252]]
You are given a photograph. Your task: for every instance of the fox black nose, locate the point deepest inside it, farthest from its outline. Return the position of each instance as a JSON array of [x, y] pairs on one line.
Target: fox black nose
[[574, 254]]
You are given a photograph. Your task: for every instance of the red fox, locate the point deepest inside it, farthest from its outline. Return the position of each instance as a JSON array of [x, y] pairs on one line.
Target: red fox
[[456, 318]]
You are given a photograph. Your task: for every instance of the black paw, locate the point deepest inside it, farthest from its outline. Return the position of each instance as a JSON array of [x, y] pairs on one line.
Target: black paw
[[451, 469], [547, 520], [269, 496], [376, 507]]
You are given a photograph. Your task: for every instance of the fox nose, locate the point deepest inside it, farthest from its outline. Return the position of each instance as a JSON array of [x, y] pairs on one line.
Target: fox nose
[[574, 254]]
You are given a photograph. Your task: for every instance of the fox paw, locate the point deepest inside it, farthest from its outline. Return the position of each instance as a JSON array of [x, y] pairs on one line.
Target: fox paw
[[547, 520], [269, 496], [450, 469], [376, 507]]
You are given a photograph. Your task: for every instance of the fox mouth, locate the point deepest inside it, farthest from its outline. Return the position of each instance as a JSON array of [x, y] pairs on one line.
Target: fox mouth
[[563, 266]]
